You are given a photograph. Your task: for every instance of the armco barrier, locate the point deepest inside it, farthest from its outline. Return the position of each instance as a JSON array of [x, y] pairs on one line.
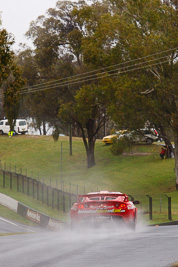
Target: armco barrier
[[31, 214], [8, 202], [40, 218]]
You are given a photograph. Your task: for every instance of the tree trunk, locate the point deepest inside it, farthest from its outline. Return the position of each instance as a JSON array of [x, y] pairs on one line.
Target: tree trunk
[[90, 145], [90, 154], [176, 159], [167, 141], [44, 128], [39, 128]]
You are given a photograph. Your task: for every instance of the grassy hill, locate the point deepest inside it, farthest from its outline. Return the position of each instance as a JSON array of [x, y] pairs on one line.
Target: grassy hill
[[138, 172]]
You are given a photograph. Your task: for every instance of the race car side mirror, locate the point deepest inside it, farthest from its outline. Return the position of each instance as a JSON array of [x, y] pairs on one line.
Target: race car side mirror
[[136, 202]]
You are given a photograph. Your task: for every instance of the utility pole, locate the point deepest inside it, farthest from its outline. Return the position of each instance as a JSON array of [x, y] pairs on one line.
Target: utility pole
[[61, 165], [70, 138]]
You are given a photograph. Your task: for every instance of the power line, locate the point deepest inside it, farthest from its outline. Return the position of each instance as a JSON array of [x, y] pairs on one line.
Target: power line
[[97, 75], [103, 75], [114, 72], [102, 69]]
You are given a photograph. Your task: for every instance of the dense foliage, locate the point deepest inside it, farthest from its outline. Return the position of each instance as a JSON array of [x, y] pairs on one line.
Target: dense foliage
[[10, 79], [121, 57]]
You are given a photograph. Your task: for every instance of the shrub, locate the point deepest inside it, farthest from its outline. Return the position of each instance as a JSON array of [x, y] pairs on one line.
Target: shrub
[[120, 145]]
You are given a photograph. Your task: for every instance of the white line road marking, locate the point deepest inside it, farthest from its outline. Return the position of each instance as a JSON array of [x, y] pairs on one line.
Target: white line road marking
[[2, 219]]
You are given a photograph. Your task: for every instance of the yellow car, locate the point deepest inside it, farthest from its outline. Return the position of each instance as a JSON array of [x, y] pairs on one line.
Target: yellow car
[[109, 138]]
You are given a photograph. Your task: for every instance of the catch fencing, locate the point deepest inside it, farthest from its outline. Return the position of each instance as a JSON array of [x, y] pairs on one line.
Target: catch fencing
[[51, 196], [155, 207]]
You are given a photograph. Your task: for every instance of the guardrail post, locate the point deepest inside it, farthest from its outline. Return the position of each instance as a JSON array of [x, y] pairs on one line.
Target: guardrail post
[[17, 182], [33, 188], [64, 209], [27, 186], [22, 183], [10, 180], [150, 207], [4, 179], [37, 190], [169, 208], [58, 203], [42, 192], [47, 196], [52, 198]]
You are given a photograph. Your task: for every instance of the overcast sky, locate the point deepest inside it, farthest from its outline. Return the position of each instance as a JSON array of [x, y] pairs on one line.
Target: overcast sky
[[16, 16]]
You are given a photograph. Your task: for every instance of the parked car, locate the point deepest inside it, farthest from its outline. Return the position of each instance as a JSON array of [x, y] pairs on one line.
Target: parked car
[[20, 126], [145, 135], [109, 138], [104, 206]]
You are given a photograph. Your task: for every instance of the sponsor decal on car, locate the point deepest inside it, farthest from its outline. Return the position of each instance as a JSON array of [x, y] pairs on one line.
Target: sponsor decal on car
[[33, 215], [102, 207], [99, 211]]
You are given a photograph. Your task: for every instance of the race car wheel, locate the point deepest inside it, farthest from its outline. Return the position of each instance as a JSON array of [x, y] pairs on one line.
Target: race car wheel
[[133, 223]]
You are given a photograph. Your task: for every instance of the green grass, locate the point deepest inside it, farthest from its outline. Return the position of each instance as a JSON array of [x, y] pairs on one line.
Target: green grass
[[137, 173]]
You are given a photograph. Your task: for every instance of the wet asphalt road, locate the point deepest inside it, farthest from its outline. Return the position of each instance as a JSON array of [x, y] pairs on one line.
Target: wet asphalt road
[[147, 247]]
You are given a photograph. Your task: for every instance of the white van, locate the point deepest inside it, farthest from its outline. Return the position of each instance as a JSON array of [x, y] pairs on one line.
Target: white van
[[20, 126]]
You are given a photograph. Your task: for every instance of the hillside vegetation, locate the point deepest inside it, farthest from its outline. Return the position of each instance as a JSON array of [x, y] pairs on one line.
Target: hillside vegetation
[[138, 172]]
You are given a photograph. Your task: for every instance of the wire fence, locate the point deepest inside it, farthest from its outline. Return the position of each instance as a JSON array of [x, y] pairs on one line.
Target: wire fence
[[60, 196], [51, 196]]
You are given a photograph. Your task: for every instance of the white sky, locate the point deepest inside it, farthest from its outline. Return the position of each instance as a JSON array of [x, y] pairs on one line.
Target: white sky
[[16, 16]]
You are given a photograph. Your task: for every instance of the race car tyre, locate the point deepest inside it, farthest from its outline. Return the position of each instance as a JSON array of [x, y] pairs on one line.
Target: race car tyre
[[133, 223]]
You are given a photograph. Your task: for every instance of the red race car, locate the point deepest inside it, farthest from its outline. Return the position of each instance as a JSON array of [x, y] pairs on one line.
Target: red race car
[[104, 206]]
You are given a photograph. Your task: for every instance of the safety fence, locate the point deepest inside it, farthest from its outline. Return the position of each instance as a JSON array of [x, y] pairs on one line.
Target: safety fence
[[159, 207], [53, 197]]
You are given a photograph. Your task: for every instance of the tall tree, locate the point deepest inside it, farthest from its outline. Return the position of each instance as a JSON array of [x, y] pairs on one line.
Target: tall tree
[[57, 35], [10, 78], [149, 92], [113, 32], [6, 55], [12, 88], [138, 29], [87, 108]]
